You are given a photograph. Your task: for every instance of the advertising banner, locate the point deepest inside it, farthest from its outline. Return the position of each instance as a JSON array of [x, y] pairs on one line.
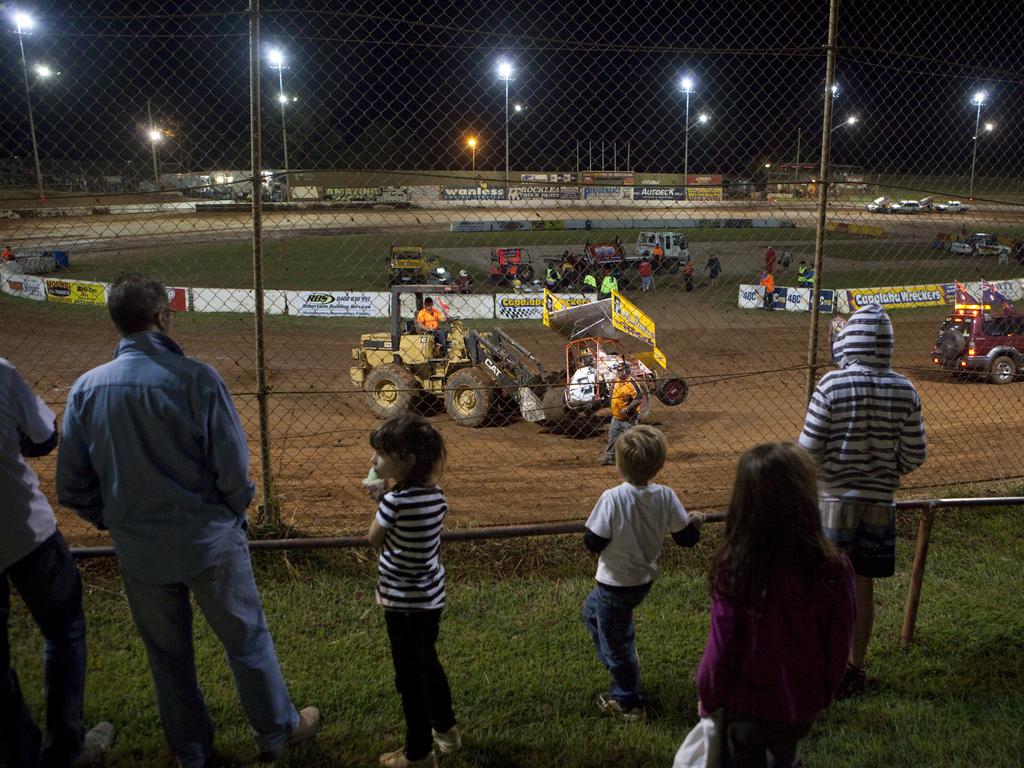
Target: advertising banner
[[704, 193], [606, 193], [473, 193], [897, 297], [608, 177], [629, 319], [241, 300], [470, 226], [547, 225], [367, 194], [25, 286], [544, 193], [659, 193], [530, 306], [697, 180], [178, 299], [338, 303], [76, 292]]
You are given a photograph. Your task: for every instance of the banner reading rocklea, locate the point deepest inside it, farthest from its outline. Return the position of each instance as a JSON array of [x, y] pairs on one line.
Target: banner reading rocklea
[[898, 297], [76, 292]]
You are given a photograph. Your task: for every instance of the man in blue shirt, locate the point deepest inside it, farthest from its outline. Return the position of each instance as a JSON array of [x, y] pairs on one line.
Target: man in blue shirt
[[35, 559], [153, 451]]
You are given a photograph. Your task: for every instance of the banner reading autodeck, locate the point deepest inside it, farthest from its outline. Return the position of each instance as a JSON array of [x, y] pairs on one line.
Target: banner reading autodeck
[[76, 292], [904, 296]]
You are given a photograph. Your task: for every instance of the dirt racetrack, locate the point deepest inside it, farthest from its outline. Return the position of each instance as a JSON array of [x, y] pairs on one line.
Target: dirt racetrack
[[747, 382]]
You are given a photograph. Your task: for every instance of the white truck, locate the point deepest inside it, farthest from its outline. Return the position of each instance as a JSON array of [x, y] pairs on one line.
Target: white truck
[[677, 250], [951, 206]]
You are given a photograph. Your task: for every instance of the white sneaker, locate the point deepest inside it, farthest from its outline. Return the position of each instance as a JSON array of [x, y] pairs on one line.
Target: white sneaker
[[95, 746], [309, 724], [449, 741]]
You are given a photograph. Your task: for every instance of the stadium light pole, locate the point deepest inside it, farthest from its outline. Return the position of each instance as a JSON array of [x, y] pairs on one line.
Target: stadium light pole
[[851, 120], [22, 23], [686, 85], [978, 100], [505, 72], [276, 56], [154, 138], [471, 142]]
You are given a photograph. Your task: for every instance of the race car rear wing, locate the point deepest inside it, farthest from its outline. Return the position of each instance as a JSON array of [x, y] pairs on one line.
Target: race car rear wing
[[615, 318]]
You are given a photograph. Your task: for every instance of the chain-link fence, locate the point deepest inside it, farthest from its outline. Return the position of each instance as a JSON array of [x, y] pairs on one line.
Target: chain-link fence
[[673, 152]]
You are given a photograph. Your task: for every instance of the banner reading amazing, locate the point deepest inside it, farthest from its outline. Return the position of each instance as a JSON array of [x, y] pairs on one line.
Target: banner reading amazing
[[898, 297]]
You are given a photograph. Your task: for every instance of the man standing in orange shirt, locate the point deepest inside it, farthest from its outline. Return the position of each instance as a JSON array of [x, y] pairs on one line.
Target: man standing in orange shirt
[[428, 320], [626, 401], [768, 284]]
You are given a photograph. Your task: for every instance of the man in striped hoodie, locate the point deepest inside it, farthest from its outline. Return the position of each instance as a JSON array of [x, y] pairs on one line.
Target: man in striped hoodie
[[864, 429]]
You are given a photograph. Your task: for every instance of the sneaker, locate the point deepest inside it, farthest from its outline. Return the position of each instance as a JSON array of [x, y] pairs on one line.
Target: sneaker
[[397, 759], [852, 684], [449, 741], [95, 746], [309, 724], [611, 707], [606, 463]]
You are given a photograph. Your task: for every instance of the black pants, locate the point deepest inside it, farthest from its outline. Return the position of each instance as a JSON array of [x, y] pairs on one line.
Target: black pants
[[419, 678], [753, 743]]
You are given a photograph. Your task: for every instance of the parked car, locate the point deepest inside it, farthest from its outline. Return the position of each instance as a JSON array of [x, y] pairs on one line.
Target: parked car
[[951, 206], [973, 341], [911, 206], [980, 244]]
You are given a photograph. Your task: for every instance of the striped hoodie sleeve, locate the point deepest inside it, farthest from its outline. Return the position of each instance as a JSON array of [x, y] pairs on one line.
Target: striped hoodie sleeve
[[817, 425], [912, 447]]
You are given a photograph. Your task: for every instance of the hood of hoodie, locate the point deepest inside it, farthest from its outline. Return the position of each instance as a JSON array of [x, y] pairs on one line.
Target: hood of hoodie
[[866, 340]]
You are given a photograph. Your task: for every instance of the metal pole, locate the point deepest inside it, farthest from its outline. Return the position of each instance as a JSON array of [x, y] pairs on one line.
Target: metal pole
[[629, 167], [506, 135], [924, 532], [284, 134], [796, 170], [823, 182], [974, 154], [686, 150], [474, 158], [268, 514], [152, 144], [577, 159], [590, 155], [602, 154], [31, 120], [615, 156]]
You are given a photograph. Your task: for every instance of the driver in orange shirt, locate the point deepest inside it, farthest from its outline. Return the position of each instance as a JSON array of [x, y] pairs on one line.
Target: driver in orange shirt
[[429, 319]]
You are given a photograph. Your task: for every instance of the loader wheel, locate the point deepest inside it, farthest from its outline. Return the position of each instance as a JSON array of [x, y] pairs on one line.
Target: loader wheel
[[468, 395], [553, 403], [671, 390], [390, 390]]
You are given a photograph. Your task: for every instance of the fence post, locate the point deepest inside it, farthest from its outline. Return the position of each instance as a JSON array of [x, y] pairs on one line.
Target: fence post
[[823, 184], [268, 515], [924, 532]]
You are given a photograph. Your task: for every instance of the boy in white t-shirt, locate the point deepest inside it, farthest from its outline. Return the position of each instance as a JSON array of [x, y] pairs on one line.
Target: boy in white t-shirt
[[626, 529]]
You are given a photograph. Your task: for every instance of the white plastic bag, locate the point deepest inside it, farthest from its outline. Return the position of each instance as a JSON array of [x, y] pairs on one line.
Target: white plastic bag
[[702, 747]]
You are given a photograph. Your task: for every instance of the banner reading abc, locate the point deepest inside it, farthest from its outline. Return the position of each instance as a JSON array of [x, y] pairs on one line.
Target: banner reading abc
[[898, 297], [76, 292]]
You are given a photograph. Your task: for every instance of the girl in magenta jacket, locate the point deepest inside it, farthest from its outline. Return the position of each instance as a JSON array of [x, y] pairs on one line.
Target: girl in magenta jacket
[[782, 611]]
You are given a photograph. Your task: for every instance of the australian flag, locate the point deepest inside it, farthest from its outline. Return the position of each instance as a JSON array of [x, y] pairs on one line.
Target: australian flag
[[963, 296], [990, 294]]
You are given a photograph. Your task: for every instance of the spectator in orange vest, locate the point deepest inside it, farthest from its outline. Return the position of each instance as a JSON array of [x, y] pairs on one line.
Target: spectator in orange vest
[[768, 284]]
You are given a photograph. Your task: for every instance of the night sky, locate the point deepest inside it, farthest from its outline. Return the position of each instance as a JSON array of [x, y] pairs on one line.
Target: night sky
[[390, 85]]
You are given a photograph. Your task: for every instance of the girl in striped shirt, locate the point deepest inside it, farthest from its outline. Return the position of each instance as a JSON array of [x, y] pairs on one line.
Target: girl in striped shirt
[[410, 585]]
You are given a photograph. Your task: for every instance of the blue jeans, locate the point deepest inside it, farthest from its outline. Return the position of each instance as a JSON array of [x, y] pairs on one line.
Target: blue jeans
[[608, 614], [226, 594], [48, 582], [615, 430]]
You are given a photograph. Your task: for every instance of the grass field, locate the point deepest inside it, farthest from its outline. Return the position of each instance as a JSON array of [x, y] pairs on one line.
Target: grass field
[[359, 262], [525, 678]]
